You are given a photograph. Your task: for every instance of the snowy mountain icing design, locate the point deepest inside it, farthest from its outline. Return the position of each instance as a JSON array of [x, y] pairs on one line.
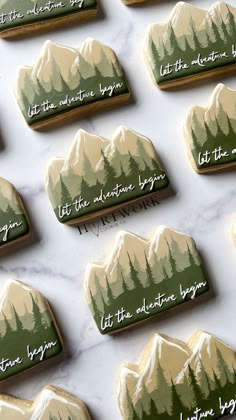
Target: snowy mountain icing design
[[17, 16], [179, 381], [210, 132], [142, 278], [99, 174], [193, 43], [51, 404], [28, 333], [64, 80], [14, 224]]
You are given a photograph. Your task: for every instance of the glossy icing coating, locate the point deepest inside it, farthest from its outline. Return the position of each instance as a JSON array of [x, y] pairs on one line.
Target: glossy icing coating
[[99, 174], [141, 278], [65, 81], [28, 333], [21, 17], [177, 380], [14, 224], [193, 43], [50, 404], [210, 132]]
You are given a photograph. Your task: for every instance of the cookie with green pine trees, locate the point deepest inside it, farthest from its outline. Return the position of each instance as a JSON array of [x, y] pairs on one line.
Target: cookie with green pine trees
[[192, 44], [101, 174], [141, 278], [66, 82], [177, 380], [51, 403], [14, 224], [20, 18], [210, 132], [29, 334]]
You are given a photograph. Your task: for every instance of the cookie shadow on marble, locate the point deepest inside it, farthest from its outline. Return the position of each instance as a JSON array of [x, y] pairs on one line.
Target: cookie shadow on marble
[[2, 142]]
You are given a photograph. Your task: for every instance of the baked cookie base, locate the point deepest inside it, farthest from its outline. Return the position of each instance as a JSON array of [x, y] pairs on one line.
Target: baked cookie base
[[221, 71], [81, 111], [49, 24]]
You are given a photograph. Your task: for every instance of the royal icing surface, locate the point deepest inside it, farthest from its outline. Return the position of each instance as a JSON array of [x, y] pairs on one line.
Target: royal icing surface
[[17, 13], [64, 79], [100, 173], [174, 380], [28, 333], [192, 42], [51, 404], [14, 224], [142, 278], [210, 132]]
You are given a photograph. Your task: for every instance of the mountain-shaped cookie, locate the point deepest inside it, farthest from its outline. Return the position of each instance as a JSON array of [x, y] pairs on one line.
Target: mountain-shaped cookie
[[99, 175], [174, 380], [210, 132], [28, 332], [142, 278], [67, 81], [14, 224], [51, 404], [19, 17], [192, 44]]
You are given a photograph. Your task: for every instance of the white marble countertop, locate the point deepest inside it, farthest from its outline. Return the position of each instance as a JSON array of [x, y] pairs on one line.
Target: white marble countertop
[[54, 261]]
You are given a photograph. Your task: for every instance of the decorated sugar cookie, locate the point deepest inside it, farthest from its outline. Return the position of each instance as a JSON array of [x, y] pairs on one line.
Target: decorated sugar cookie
[[20, 17], [210, 132], [67, 82], [51, 404], [14, 224], [179, 381], [98, 175], [192, 44], [142, 278], [28, 332]]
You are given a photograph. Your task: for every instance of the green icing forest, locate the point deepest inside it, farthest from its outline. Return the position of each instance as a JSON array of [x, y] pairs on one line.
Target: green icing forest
[[40, 10], [121, 170], [195, 392], [33, 329], [216, 138], [160, 277], [105, 81], [217, 38], [11, 214]]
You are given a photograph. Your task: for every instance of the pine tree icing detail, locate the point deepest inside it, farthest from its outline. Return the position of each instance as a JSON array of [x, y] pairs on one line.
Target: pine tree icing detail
[[210, 132], [100, 174], [179, 381], [50, 404], [193, 43], [142, 278], [28, 333], [67, 80], [14, 224], [17, 16]]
